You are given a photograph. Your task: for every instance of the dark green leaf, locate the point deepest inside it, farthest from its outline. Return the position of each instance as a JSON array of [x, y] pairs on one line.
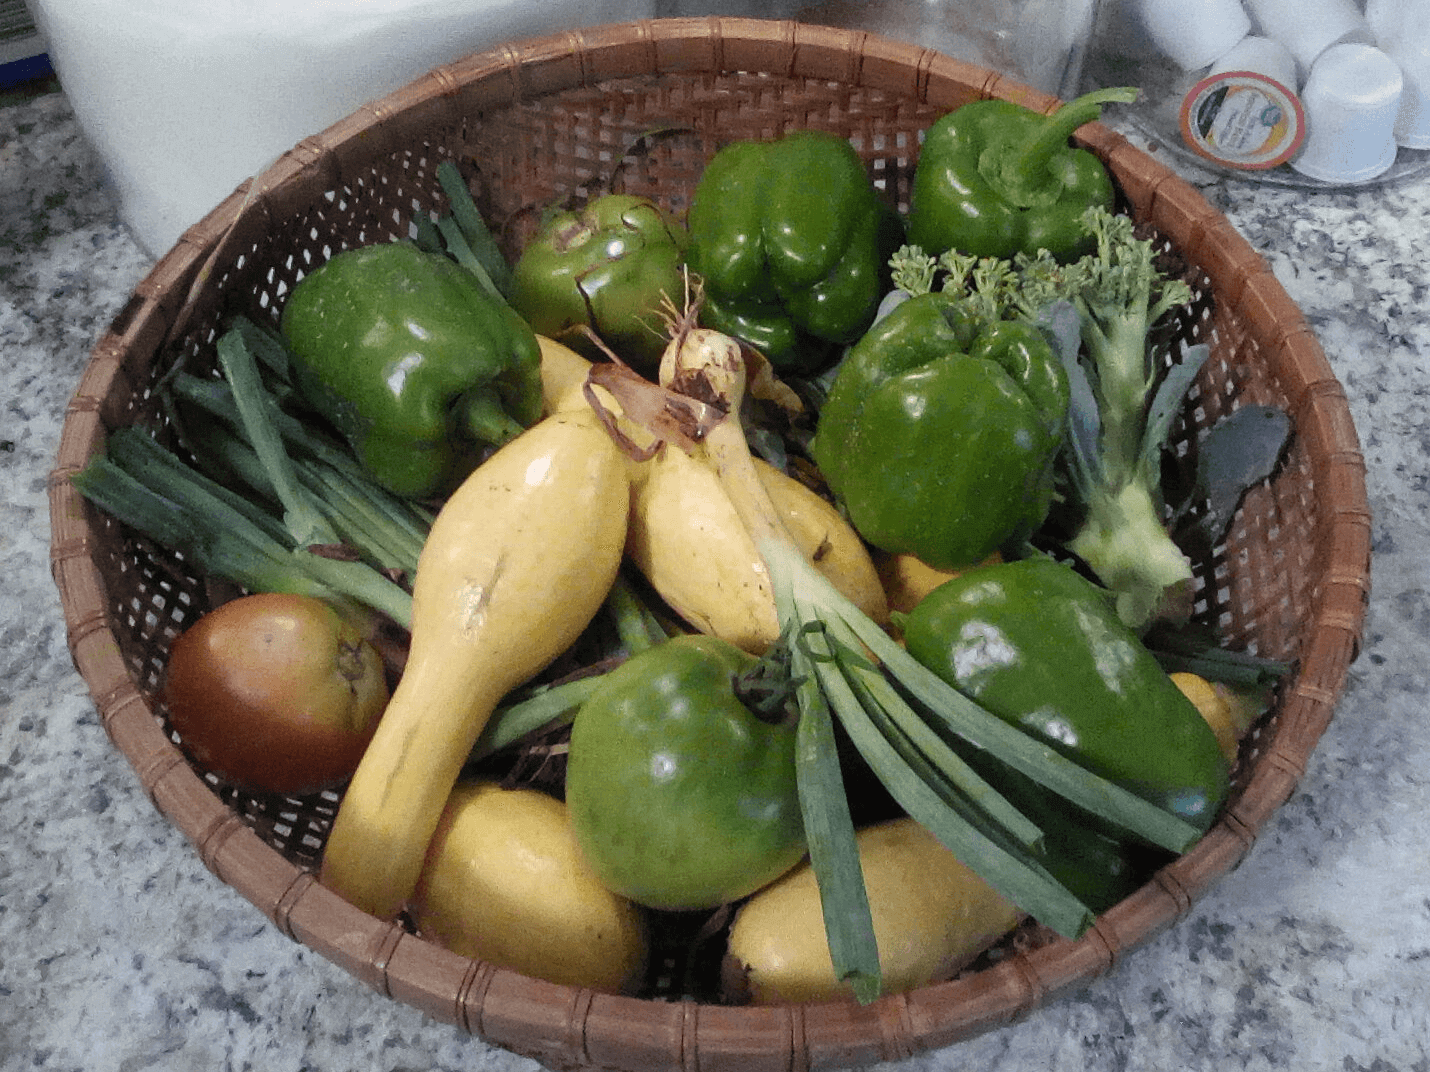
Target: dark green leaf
[[1167, 403], [1063, 325], [1240, 450]]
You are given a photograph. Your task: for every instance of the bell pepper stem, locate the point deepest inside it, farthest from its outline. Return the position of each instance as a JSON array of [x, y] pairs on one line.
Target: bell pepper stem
[[1020, 171], [486, 421]]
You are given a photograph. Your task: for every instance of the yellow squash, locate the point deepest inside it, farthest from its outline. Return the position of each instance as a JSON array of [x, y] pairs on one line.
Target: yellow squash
[[827, 540], [685, 536], [907, 579], [505, 882], [687, 539], [517, 563], [563, 376], [1227, 711], [932, 915]]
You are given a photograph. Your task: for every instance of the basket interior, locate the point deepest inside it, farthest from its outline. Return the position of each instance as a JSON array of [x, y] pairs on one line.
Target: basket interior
[[649, 135]]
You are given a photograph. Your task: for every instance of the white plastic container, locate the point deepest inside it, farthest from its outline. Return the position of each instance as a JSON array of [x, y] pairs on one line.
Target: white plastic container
[[1244, 112], [1255, 54], [1309, 27], [184, 99], [1352, 98], [1194, 33], [1402, 30]]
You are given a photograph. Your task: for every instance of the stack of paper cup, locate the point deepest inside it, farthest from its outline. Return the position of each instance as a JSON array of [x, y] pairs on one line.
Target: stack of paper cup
[[1402, 32], [1352, 101], [1193, 33], [1320, 84], [1308, 27], [1265, 56]]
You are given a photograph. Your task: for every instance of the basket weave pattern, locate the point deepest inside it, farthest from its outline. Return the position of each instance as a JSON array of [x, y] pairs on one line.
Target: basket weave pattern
[[640, 107]]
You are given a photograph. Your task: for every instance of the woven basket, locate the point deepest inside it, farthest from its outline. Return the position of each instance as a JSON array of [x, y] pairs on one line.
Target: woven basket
[[562, 118]]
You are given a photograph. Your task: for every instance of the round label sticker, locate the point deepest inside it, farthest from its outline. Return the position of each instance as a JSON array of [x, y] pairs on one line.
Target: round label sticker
[[1243, 119]]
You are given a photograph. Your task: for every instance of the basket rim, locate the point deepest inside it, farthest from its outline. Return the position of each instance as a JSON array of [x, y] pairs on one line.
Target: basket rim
[[566, 1025]]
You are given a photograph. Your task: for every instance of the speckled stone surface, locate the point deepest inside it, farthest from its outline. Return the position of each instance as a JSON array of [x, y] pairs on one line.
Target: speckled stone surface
[[119, 952]]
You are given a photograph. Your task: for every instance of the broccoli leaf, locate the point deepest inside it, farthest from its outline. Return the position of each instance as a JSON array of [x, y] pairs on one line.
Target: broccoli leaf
[[1239, 451]]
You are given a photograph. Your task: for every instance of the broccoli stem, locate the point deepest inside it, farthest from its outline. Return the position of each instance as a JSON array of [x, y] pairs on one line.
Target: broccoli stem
[[1123, 537], [1125, 542], [1119, 356]]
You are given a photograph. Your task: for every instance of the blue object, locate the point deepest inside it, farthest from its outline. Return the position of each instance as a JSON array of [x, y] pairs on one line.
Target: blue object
[[28, 69]]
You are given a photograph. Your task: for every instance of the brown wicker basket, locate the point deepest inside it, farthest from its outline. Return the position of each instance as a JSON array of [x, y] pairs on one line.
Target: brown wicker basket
[[562, 118]]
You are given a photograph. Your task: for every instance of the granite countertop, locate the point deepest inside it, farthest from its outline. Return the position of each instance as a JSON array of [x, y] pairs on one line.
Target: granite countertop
[[119, 951]]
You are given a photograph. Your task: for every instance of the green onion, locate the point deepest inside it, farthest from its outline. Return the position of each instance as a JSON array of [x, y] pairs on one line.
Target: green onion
[[546, 707], [222, 545], [227, 534], [829, 831], [303, 516], [183, 510], [464, 223], [360, 523]]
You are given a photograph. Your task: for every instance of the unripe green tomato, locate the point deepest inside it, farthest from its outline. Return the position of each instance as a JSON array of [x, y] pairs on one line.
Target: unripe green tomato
[[681, 797]]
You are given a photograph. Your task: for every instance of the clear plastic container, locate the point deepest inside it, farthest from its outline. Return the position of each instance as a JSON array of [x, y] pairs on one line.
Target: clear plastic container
[[1123, 53], [1040, 42]]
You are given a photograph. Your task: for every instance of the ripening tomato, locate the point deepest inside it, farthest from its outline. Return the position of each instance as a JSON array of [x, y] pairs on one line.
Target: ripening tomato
[[680, 795], [275, 692]]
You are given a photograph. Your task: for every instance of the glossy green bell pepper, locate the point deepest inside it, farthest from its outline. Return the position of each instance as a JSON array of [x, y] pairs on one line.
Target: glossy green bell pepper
[[940, 431], [1096, 867], [413, 361], [1043, 648], [613, 266], [681, 796], [995, 179], [792, 242]]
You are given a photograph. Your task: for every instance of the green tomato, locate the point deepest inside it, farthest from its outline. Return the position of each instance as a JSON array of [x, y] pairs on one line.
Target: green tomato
[[681, 797]]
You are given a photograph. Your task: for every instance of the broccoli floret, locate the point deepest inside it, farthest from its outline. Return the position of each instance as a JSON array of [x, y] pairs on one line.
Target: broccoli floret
[[912, 270], [990, 285]]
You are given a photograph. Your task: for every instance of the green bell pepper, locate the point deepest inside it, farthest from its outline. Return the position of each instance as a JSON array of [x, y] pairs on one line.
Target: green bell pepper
[[413, 361], [681, 796], [792, 242], [1043, 648], [940, 431], [1096, 867], [612, 266], [995, 179]]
